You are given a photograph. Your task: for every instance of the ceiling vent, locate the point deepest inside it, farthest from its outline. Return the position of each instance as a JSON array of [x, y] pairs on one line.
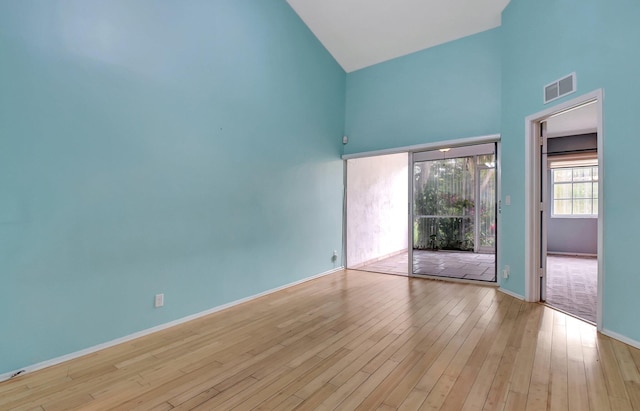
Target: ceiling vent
[[560, 88]]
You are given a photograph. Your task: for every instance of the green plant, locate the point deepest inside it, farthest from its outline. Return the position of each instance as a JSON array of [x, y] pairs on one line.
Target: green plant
[[443, 209], [433, 241]]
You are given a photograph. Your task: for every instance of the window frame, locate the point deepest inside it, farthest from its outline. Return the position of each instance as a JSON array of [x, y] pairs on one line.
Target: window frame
[[567, 165]]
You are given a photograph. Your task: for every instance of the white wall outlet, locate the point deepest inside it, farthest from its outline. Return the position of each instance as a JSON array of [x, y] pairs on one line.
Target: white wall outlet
[[159, 300], [345, 139], [506, 271], [334, 256], [507, 200]]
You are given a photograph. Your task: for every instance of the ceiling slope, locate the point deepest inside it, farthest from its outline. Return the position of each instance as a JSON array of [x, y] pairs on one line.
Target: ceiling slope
[[360, 33]]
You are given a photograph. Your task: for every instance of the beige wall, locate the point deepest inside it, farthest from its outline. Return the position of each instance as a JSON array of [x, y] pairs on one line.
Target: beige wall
[[377, 212]]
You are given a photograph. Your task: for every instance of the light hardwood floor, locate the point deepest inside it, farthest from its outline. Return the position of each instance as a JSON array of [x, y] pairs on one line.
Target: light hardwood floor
[[353, 341]]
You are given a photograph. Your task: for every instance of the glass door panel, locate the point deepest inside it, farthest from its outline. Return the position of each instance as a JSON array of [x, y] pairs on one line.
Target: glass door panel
[[487, 210], [444, 204], [453, 231]]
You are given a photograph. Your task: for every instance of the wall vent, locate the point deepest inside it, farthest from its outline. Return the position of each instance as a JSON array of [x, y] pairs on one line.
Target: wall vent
[[560, 88]]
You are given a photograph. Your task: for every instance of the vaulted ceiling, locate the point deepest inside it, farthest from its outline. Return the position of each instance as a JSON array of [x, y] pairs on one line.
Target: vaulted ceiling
[[360, 33]]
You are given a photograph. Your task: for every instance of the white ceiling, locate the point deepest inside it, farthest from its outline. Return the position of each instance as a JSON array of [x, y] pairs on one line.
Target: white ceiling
[[576, 121], [360, 33]]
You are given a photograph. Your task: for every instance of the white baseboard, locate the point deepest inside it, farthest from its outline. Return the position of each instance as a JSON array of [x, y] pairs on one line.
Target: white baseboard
[[511, 293], [71, 356], [620, 337]]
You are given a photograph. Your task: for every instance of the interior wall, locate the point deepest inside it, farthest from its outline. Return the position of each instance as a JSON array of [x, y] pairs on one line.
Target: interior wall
[[441, 93], [595, 40], [189, 148], [570, 235], [377, 212]]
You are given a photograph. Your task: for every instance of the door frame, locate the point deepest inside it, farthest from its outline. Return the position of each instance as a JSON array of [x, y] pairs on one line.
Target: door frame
[[479, 168], [533, 176], [459, 142]]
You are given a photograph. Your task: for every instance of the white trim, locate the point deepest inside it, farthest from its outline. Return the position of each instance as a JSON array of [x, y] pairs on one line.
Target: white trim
[[532, 291], [492, 138], [71, 356], [529, 210], [620, 337], [511, 293], [601, 211], [498, 211], [345, 204], [410, 194]]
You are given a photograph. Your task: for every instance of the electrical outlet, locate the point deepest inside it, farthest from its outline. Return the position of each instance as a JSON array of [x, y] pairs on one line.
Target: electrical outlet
[[506, 271], [334, 257], [159, 300]]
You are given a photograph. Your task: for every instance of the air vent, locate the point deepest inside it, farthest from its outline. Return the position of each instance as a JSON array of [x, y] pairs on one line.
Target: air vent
[[560, 88]]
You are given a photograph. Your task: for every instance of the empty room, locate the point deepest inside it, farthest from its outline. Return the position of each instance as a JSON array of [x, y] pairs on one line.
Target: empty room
[[177, 191]]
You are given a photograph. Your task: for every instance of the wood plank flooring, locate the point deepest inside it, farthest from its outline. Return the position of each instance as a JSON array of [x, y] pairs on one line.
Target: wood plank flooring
[[353, 341]]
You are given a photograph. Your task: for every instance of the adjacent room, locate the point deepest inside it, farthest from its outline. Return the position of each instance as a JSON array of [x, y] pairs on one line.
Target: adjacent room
[[194, 196], [452, 227], [376, 214], [572, 213]]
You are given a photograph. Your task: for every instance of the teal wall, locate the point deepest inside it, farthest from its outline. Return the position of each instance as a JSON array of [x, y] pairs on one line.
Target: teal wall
[[193, 149], [442, 93], [542, 41], [190, 148], [488, 83]]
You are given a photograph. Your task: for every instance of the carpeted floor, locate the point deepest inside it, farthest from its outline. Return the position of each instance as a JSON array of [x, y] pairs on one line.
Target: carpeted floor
[[572, 285]]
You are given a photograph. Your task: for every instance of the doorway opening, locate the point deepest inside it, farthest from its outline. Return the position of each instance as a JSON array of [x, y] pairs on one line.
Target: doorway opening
[[454, 213], [564, 207], [376, 213]]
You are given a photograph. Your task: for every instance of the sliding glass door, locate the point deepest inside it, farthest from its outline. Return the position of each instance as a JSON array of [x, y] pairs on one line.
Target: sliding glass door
[[444, 204], [454, 213], [486, 194]]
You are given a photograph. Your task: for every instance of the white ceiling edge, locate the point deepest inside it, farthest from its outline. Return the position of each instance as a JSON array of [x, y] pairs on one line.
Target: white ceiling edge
[[361, 33]]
